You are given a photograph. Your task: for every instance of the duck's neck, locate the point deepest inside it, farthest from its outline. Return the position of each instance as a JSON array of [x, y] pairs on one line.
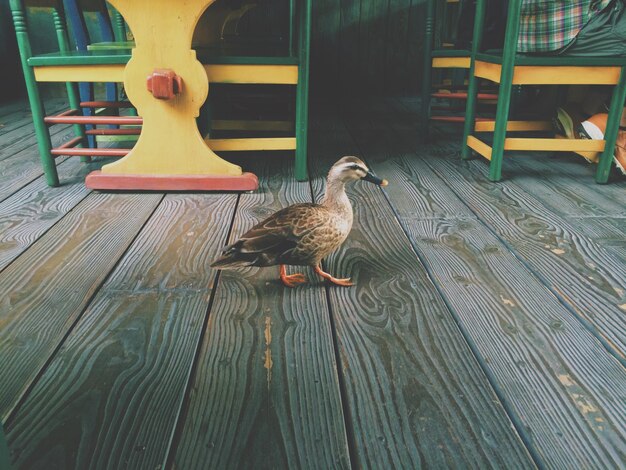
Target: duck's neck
[[336, 197]]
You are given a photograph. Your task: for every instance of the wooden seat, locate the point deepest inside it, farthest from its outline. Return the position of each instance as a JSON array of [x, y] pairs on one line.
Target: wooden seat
[[507, 68]]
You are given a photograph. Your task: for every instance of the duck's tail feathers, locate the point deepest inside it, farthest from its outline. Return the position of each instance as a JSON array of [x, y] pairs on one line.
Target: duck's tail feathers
[[233, 258]]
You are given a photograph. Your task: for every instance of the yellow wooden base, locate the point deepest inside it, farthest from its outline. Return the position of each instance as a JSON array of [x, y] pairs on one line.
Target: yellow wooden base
[[514, 126], [547, 75], [217, 73], [237, 145], [451, 62], [538, 145], [236, 125]]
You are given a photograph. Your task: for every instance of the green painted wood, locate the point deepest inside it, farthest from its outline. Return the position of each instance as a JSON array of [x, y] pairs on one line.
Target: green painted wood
[[266, 393], [72, 90], [505, 87], [521, 59], [108, 56], [612, 128], [397, 76], [472, 90], [126, 364], [563, 388], [36, 105], [429, 25], [415, 395], [302, 92], [34, 209], [54, 281], [348, 46]]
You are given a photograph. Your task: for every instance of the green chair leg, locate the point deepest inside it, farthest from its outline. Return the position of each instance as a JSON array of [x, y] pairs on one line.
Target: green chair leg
[[41, 130], [472, 90], [302, 94], [612, 129], [427, 67], [506, 87]]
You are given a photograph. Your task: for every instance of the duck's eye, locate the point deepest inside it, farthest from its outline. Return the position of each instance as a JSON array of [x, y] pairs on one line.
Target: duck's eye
[[356, 168]]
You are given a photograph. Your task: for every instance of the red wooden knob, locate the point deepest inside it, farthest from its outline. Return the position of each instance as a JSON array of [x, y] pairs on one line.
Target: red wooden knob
[[164, 84]]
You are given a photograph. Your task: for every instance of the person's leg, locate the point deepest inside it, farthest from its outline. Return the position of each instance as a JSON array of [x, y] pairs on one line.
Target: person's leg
[[604, 35]]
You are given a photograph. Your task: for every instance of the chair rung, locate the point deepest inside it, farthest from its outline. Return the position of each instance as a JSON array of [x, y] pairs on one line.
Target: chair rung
[[93, 120], [69, 112], [457, 119], [134, 131], [69, 144], [106, 104], [463, 96], [89, 152]]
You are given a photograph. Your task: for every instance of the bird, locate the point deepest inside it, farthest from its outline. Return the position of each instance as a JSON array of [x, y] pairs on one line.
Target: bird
[[302, 234]]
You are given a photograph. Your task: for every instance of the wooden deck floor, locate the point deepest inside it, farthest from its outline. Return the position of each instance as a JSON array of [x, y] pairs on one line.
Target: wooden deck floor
[[487, 327]]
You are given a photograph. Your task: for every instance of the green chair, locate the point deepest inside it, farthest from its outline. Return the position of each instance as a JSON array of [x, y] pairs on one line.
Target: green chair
[[507, 68], [443, 56]]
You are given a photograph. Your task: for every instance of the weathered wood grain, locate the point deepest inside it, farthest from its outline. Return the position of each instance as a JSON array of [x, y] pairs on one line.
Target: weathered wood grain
[[111, 397], [18, 132], [416, 396], [47, 288], [563, 387], [25, 140], [266, 392], [23, 167], [31, 211]]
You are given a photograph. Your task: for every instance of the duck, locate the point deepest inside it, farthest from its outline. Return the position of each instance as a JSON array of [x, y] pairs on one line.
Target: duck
[[303, 234]]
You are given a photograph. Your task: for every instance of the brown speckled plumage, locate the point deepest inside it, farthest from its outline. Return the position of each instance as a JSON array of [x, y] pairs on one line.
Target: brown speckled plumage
[[301, 234]]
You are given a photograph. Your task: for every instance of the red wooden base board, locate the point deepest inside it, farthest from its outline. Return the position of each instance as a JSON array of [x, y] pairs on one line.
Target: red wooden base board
[[112, 182]]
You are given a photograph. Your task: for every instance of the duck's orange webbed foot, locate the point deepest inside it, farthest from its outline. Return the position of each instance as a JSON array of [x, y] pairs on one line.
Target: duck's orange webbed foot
[[290, 280], [339, 282]]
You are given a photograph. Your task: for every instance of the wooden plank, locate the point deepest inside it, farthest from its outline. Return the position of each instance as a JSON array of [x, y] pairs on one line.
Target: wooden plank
[[51, 283], [574, 266], [272, 74], [416, 396], [395, 67], [80, 73], [563, 387], [23, 167], [348, 46], [553, 145], [261, 143], [12, 127], [31, 211], [266, 393], [28, 141], [479, 146], [125, 366]]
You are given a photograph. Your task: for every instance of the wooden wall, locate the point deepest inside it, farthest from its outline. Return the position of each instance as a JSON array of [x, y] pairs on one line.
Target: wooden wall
[[367, 46]]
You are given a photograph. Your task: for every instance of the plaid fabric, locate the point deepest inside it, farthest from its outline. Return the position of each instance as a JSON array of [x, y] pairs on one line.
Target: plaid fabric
[[549, 25]]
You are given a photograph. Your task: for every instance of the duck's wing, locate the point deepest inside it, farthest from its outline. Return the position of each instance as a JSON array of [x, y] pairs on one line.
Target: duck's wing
[[272, 239]]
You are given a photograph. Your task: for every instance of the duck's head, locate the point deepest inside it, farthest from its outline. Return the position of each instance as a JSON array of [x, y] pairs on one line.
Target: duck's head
[[351, 168]]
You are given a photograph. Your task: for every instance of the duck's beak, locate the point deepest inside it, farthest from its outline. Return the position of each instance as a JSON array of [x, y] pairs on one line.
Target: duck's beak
[[372, 178]]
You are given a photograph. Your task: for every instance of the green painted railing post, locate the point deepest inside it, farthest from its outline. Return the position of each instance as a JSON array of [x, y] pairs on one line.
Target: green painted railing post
[[34, 98], [119, 28], [292, 23], [302, 92], [506, 85], [429, 25], [472, 90], [72, 92], [612, 129]]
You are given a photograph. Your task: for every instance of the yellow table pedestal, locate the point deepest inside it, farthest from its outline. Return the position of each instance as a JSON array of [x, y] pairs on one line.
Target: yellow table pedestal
[[170, 153]]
